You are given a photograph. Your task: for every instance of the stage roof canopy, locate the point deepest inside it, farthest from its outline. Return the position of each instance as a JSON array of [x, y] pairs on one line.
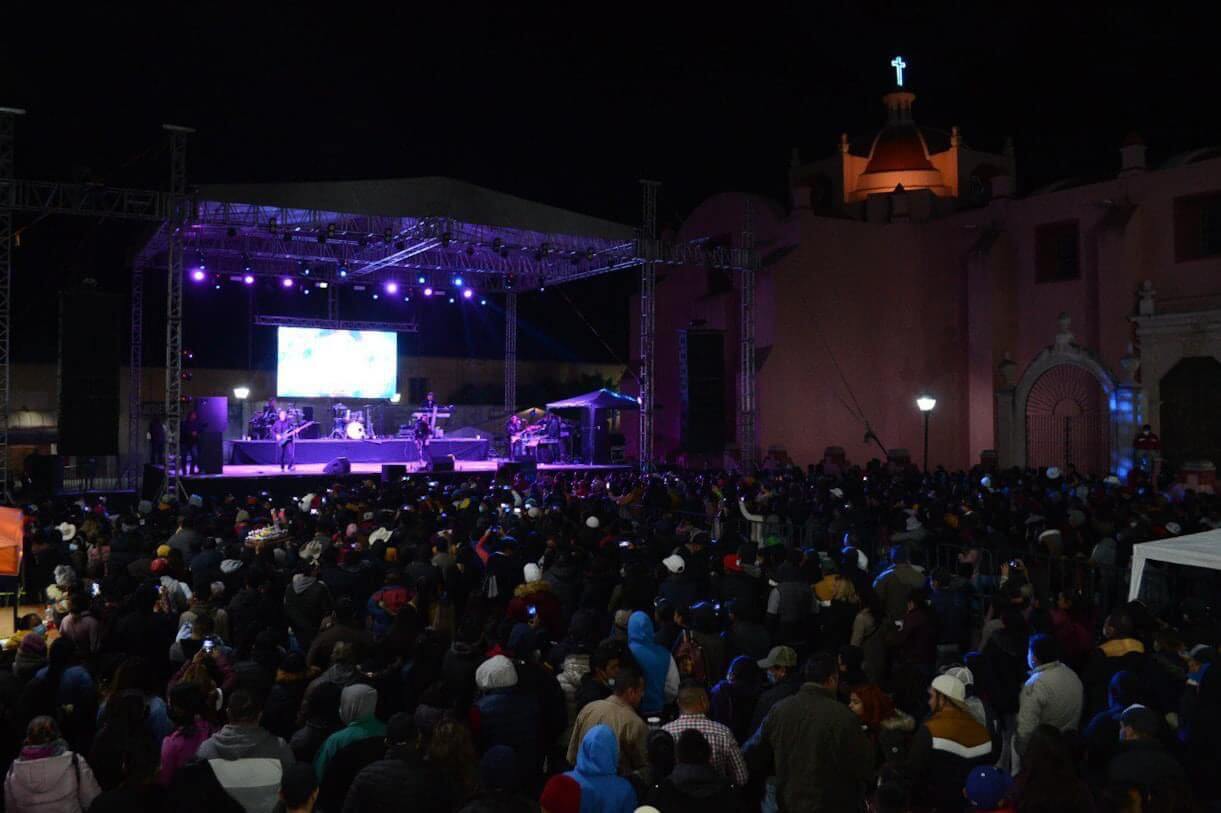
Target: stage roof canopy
[[418, 198], [598, 399]]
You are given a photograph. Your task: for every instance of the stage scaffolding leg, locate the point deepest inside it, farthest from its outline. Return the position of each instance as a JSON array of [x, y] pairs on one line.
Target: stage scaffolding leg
[[135, 383], [173, 322], [747, 440], [510, 353], [8, 129], [648, 282]]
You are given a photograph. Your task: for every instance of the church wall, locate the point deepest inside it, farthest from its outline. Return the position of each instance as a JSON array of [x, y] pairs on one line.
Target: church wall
[[881, 301]]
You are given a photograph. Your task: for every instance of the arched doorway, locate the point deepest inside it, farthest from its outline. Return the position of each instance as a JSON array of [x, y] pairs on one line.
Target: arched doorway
[[1191, 411], [1067, 421]]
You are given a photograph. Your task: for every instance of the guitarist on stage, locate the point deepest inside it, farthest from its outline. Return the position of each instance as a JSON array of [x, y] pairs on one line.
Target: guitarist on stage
[[282, 431]]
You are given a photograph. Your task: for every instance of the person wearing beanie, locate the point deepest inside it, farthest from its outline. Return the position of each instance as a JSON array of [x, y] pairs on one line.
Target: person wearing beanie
[[947, 746], [401, 774], [987, 789], [1142, 760], [534, 602], [506, 716], [597, 774], [561, 794], [31, 657]]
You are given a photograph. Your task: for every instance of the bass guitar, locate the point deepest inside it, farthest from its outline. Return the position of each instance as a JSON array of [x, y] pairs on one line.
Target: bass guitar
[[284, 437]]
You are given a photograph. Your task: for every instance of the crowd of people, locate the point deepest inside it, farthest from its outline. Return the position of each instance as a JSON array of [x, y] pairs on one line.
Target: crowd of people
[[604, 643]]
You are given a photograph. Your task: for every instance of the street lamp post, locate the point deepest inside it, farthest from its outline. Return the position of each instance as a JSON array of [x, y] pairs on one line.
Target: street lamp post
[[925, 404]]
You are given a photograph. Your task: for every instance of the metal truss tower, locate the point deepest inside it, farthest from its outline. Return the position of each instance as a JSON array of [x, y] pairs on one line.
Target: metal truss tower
[[747, 441], [8, 129], [179, 214], [648, 314], [135, 380], [510, 353]]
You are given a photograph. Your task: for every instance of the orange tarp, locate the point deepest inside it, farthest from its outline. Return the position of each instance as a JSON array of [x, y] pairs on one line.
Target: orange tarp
[[11, 531]]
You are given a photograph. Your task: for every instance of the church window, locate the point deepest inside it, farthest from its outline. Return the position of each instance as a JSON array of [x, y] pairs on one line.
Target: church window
[[1197, 227], [1057, 252]]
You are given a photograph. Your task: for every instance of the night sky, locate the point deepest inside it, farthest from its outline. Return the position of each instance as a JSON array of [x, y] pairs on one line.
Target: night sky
[[566, 107]]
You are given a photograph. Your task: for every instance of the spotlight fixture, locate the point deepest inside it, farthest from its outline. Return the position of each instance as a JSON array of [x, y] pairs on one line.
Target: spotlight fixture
[[451, 300], [457, 282], [287, 282], [428, 292], [217, 286], [198, 275], [343, 271], [248, 279], [323, 284], [375, 296], [202, 264], [394, 399], [483, 302], [305, 291], [392, 287], [420, 279], [358, 287], [467, 293], [241, 393]]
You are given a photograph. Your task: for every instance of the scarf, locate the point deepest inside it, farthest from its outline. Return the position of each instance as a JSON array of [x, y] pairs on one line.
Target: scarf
[[50, 749]]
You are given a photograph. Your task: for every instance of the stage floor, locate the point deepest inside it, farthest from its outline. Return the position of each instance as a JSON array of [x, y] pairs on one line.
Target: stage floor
[[375, 469]]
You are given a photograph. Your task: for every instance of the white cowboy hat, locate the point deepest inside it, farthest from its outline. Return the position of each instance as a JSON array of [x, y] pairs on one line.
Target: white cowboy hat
[[67, 530]]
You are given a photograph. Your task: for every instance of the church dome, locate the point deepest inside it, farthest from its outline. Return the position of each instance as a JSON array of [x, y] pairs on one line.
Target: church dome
[[898, 148]]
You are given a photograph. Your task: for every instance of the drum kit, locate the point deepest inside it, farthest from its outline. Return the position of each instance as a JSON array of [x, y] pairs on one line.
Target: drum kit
[[352, 424]]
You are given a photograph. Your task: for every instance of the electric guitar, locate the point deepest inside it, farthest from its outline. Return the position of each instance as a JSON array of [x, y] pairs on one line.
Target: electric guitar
[[285, 437]]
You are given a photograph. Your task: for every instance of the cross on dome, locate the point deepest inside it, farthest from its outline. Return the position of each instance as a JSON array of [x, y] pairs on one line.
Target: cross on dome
[[898, 64]]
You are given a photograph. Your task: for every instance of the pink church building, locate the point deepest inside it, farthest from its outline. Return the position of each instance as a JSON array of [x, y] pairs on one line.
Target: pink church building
[[1048, 326]]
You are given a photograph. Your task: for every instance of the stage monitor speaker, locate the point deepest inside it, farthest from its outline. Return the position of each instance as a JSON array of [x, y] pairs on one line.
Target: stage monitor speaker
[[89, 328], [151, 483], [393, 472], [211, 453], [340, 465], [506, 470], [442, 463]]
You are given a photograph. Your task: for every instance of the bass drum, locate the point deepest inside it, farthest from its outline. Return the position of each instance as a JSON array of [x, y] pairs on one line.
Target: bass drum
[[356, 431]]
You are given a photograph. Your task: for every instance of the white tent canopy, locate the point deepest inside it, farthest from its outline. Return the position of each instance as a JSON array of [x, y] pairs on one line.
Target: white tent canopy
[[1195, 550]]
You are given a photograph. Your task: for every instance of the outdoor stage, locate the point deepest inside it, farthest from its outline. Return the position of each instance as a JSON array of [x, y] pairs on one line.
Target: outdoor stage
[[382, 450], [309, 477]]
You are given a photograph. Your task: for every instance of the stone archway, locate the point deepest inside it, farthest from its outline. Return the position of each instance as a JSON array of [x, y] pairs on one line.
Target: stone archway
[[1072, 415], [1067, 420]]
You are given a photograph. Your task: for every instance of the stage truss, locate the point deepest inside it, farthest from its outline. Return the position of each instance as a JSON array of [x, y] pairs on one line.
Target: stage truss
[[339, 249]]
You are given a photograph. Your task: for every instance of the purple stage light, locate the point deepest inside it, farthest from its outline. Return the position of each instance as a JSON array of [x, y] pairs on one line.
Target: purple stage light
[[420, 279], [468, 293], [198, 275], [392, 287], [248, 279], [287, 282], [428, 292]]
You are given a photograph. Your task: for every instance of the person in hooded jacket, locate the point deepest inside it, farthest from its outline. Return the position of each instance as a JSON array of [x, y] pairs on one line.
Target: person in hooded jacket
[[597, 772], [248, 760], [357, 707], [306, 602], [505, 716], [47, 777], [661, 677]]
